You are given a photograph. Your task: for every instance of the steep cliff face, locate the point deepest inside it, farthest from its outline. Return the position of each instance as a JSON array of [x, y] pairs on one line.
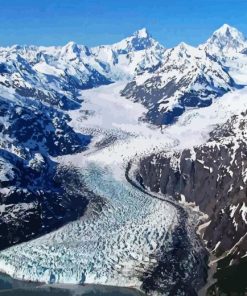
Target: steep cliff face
[[213, 176]]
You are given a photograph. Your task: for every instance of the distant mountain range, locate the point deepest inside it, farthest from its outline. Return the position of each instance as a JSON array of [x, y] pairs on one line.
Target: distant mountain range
[[167, 81]]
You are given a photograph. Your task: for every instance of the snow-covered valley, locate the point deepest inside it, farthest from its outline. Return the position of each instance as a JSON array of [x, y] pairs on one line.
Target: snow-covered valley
[[115, 243]]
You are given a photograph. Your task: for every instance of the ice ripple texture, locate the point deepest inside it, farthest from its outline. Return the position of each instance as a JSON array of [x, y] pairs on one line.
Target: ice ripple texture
[[112, 247]]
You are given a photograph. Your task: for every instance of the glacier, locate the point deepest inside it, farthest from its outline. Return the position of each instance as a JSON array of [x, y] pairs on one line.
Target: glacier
[[110, 247], [116, 241]]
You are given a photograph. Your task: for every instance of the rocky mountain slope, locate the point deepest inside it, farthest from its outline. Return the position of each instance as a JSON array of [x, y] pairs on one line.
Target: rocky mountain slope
[[30, 189], [187, 78], [213, 177]]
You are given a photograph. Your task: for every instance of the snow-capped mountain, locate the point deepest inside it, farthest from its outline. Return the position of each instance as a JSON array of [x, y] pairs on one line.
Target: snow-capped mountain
[[38, 85], [57, 102], [140, 40], [226, 40], [188, 77], [130, 56], [55, 73], [58, 72]]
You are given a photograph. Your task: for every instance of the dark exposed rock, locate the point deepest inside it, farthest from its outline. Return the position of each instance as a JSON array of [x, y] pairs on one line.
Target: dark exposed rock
[[36, 196], [230, 276], [41, 203], [151, 95], [182, 265]]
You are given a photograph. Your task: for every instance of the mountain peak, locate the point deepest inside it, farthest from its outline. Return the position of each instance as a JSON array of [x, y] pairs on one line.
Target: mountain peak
[[224, 28], [139, 40], [227, 40], [71, 44], [73, 50], [229, 31], [184, 51], [142, 33], [183, 45]]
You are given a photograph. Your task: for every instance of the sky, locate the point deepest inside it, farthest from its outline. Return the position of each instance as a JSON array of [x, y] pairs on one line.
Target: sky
[[95, 22]]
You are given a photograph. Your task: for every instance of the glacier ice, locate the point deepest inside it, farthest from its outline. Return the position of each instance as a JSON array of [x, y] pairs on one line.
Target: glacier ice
[[112, 247]]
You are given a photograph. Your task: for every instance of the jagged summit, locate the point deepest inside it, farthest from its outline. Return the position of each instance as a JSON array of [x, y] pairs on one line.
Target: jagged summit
[[74, 50], [184, 52], [227, 29], [142, 33], [139, 40], [187, 78], [183, 45], [227, 40], [230, 33], [131, 55]]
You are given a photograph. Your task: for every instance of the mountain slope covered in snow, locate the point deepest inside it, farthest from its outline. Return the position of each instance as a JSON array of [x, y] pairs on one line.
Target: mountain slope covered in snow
[[38, 86], [187, 78], [226, 40]]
